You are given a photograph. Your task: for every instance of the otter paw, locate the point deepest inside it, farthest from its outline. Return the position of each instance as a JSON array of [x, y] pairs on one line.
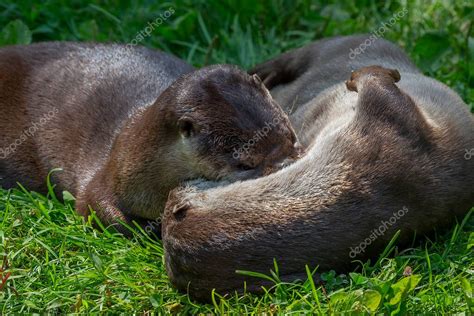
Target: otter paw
[[376, 71]]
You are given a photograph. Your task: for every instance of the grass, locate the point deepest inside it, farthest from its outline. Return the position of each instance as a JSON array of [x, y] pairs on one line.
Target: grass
[[55, 262]]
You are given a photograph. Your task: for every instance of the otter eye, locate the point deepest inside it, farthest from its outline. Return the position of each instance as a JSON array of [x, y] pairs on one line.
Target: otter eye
[[186, 128]]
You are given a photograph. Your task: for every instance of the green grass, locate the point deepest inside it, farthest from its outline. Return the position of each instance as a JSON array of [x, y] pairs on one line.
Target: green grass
[[58, 263]]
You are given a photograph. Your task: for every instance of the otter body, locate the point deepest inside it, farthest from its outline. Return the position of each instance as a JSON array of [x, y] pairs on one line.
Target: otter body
[[383, 155], [128, 124], [73, 98]]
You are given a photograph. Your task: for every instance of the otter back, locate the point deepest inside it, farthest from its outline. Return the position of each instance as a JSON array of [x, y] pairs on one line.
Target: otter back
[[63, 103]]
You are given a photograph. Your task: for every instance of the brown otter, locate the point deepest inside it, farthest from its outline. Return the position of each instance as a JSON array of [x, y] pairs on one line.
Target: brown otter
[[383, 155], [129, 124]]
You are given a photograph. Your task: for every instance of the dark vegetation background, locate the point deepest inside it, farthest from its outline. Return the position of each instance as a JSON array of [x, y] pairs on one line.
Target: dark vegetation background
[[437, 34], [55, 262]]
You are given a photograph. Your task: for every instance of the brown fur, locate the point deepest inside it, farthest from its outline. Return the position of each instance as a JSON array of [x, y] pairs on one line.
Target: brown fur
[[377, 148], [129, 124]]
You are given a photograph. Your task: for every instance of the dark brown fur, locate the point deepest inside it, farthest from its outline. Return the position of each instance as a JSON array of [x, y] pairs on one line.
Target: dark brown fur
[[128, 124], [376, 147]]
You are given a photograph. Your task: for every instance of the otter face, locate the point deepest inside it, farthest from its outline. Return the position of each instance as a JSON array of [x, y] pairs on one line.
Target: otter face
[[229, 127]]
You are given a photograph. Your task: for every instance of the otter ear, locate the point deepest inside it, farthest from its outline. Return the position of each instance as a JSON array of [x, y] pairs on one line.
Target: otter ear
[[186, 127], [257, 80]]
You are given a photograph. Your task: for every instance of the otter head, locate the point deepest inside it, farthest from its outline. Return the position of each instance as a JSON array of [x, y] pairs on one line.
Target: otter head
[[217, 123], [223, 124]]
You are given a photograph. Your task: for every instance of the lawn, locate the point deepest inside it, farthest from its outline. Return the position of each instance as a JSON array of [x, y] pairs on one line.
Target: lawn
[[55, 262]]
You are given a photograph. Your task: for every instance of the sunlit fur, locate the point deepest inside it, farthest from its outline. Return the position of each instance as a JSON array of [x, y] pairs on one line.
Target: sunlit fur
[[390, 145], [116, 130]]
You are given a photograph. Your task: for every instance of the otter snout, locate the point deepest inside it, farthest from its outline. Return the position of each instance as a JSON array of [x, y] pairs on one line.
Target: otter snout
[[266, 160], [282, 156]]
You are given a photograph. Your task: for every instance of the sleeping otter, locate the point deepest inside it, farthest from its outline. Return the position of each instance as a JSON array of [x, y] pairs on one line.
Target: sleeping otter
[[384, 154], [129, 124]]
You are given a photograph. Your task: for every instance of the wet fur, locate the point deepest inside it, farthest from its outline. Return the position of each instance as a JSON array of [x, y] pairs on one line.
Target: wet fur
[[129, 124], [390, 145]]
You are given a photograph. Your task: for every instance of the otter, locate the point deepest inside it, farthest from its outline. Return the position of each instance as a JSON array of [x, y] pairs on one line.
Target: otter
[[385, 153], [128, 124]]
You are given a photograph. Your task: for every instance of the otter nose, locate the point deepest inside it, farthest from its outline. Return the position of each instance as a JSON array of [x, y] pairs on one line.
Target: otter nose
[[285, 163], [270, 168], [299, 150], [281, 157]]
